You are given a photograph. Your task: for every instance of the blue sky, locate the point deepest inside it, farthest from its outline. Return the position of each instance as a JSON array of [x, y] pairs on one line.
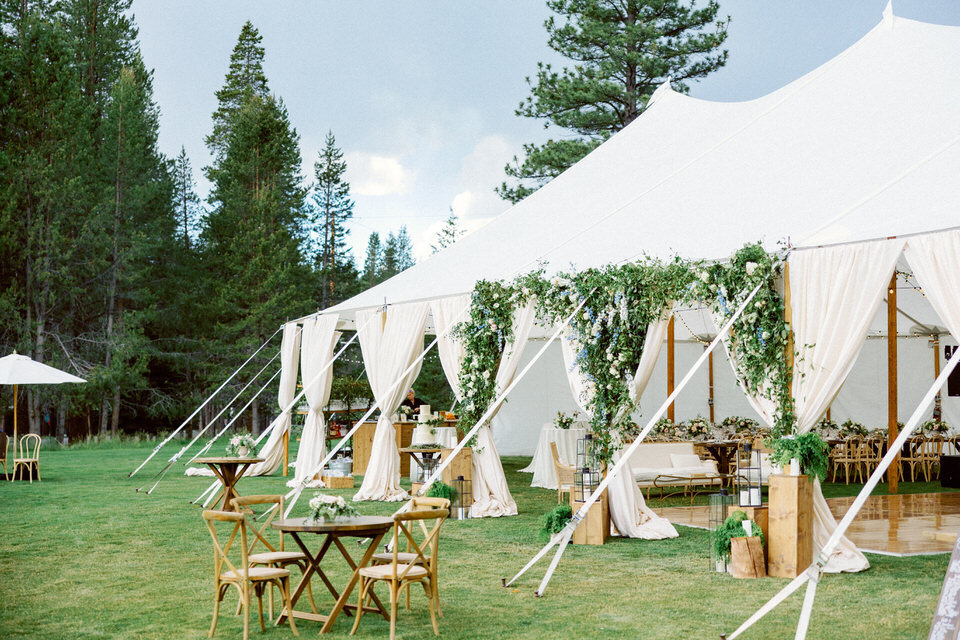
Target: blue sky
[[421, 94]]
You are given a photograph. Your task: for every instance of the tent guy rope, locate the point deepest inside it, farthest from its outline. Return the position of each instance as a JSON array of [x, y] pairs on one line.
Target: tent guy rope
[[170, 437]]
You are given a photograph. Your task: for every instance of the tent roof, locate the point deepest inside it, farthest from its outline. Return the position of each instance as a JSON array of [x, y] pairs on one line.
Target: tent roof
[[863, 147]]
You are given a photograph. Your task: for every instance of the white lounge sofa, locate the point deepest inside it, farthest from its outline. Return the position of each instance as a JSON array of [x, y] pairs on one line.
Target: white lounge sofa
[[658, 465]]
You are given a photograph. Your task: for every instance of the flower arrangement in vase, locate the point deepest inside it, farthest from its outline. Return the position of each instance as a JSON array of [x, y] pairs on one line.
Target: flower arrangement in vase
[[326, 507], [241, 446], [733, 425], [696, 429], [665, 429], [563, 421], [851, 428], [935, 427]]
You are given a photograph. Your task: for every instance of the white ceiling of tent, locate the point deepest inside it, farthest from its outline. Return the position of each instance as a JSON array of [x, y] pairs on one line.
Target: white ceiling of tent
[[865, 146]]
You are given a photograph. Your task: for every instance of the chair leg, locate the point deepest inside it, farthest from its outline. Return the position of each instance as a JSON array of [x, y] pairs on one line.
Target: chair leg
[[246, 611], [394, 598], [428, 588], [362, 588], [216, 609], [259, 592], [285, 594]]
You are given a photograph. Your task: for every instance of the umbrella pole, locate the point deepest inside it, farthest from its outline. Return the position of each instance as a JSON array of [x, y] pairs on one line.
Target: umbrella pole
[[14, 423]]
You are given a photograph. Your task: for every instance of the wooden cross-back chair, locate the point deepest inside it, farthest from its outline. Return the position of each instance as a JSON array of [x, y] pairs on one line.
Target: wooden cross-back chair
[[272, 555], [402, 575], [912, 458], [406, 555], [564, 474], [241, 575], [849, 457], [930, 451], [27, 455]]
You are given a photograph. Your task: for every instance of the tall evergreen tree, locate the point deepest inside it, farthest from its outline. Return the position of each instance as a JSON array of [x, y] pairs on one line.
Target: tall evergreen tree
[[448, 234], [185, 199], [397, 254], [245, 79], [333, 206], [254, 235], [373, 263], [622, 51]]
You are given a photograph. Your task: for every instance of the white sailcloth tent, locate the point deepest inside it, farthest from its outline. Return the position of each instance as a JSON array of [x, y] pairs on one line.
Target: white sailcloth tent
[[860, 155]]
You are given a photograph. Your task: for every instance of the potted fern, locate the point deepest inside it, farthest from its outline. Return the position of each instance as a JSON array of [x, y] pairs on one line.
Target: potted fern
[[808, 449]]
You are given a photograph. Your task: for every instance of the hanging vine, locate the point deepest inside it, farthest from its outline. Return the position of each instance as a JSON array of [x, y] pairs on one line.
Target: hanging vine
[[759, 339]]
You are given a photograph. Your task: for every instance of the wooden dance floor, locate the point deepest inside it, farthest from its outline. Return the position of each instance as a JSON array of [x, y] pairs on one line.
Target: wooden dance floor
[[896, 525]]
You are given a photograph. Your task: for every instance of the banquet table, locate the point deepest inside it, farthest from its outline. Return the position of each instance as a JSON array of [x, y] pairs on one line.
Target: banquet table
[[229, 470], [544, 475], [332, 532], [723, 451]]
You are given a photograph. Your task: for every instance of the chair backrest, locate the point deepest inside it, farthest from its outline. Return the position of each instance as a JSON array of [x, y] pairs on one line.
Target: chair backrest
[[233, 522], [274, 507], [437, 511], [30, 447], [564, 472]]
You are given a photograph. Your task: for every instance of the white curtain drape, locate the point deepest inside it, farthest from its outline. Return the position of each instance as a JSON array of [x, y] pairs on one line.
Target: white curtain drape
[[389, 347], [835, 293], [317, 341], [491, 495], [447, 312], [629, 512], [935, 259], [272, 451]]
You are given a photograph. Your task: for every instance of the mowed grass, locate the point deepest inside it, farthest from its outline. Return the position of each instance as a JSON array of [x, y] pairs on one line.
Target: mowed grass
[[82, 555]]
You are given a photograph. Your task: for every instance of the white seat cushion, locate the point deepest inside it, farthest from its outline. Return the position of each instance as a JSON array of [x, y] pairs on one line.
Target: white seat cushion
[[384, 571]]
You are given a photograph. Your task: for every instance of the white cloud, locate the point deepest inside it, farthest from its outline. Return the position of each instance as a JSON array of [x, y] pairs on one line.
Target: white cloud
[[375, 175]]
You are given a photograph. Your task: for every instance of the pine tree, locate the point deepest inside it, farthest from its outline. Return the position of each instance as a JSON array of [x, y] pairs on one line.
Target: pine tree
[[245, 79], [254, 236], [397, 254], [334, 208], [186, 201], [449, 234], [622, 51], [373, 263]]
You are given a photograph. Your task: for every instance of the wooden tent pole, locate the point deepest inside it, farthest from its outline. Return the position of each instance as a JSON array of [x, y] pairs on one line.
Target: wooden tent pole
[[937, 403], [671, 410], [893, 472], [710, 399]]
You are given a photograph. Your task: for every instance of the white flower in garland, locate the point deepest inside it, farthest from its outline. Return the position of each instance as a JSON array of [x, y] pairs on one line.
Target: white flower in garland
[[750, 268]]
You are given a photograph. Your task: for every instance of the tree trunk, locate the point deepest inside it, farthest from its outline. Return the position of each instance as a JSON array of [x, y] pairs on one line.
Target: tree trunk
[[115, 418], [255, 418], [62, 422]]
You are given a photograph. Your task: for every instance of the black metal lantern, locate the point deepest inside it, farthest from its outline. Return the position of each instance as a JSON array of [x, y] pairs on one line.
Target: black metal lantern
[[587, 452], [464, 500], [749, 476], [719, 504], [428, 464], [586, 477]]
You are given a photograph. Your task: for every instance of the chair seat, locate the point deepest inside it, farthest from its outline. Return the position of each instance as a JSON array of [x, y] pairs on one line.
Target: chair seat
[[406, 558], [276, 557], [16, 460], [385, 571], [255, 574]]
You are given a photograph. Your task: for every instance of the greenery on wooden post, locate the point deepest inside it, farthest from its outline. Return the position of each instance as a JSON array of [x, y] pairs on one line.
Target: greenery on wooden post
[[808, 448], [731, 528], [440, 490]]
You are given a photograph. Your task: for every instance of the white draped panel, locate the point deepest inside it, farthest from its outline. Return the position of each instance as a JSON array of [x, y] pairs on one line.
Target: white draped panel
[[317, 339], [389, 345], [447, 313], [272, 451], [491, 495], [935, 259], [835, 292]]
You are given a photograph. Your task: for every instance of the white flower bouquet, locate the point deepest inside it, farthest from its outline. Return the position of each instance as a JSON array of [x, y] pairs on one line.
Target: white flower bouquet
[[241, 446], [324, 506]]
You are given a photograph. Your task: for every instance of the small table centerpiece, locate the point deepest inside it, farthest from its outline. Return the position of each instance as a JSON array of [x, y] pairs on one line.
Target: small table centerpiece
[[324, 507], [240, 446]]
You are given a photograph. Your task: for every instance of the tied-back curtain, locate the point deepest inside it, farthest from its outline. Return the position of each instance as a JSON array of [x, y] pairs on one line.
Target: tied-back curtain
[[272, 451], [447, 314], [491, 495], [935, 259], [317, 341], [629, 512], [390, 344], [835, 293]]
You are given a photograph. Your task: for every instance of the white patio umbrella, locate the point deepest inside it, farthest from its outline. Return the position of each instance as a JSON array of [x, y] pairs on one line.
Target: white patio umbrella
[[16, 369]]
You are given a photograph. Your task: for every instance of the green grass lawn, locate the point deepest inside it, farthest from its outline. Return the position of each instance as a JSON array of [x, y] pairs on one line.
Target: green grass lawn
[[84, 556]]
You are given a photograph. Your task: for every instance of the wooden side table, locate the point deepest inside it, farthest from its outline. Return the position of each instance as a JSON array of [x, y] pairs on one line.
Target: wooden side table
[[229, 471]]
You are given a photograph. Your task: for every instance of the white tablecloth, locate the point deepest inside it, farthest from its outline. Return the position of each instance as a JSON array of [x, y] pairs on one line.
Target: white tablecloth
[[541, 467]]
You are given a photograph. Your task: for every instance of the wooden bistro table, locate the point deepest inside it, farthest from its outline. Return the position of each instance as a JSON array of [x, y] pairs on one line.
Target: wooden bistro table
[[374, 527], [229, 470]]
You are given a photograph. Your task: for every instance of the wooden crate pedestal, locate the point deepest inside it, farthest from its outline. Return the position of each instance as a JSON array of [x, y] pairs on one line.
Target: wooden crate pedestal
[[462, 465], [363, 445], [760, 517], [595, 527], [790, 541], [337, 482], [746, 558]]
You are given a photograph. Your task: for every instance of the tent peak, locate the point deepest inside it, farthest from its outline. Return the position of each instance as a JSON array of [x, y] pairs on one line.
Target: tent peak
[[888, 14], [660, 91]]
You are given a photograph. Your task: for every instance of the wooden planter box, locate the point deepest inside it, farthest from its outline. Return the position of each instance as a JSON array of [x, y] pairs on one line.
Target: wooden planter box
[[761, 517], [746, 558], [595, 527], [337, 482], [790, 541]]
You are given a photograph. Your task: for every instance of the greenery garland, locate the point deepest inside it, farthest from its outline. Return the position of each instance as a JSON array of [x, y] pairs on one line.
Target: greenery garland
[[759, 339], [609, 331]]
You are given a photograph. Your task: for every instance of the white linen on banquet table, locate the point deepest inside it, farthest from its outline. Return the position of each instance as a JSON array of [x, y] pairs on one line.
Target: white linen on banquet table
[[544, 475]]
